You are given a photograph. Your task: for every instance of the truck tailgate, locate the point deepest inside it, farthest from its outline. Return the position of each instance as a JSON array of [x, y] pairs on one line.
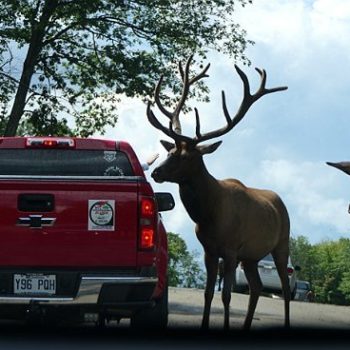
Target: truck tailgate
[[68, 223]]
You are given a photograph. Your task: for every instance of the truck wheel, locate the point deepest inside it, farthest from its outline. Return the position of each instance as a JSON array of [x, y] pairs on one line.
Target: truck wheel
[[240, 289], [294, 292], [155, 317]]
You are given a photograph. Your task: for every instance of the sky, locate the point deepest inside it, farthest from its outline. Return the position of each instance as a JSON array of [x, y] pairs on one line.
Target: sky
[[285, 139]]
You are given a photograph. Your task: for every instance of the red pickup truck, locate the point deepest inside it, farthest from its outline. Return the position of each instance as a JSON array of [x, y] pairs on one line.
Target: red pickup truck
[[80, 232]]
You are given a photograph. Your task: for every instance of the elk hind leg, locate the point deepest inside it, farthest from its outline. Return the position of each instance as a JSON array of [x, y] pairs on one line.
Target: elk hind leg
[[211, 265], [255, 287], [229, 273], [281, 262]]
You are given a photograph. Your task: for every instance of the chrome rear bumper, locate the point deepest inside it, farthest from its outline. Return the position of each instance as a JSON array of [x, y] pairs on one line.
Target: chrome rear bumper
[[88, 292]]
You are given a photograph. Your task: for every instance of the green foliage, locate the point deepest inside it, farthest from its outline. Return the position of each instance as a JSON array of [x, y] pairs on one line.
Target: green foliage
[[302, 254], [183, 268], [326, 265], [78, 55]]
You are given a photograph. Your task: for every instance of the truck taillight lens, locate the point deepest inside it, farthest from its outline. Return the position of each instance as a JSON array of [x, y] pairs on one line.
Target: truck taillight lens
[[147, 238], [290, 271], [147, 207], [147, 223]]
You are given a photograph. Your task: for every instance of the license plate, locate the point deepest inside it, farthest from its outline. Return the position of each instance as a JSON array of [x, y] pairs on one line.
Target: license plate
[[266, 271], [34, 284]]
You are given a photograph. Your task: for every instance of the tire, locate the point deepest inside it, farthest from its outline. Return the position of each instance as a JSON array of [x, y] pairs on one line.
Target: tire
[[240, 289], [294, 292], [155, 317]]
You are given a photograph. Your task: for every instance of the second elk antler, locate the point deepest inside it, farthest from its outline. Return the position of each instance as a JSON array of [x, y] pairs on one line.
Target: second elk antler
[[233, 222], [174, 129], [175, 115]]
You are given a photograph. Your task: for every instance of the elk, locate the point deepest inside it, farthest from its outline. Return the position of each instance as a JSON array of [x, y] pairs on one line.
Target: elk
[[232, 221], [343, 166]]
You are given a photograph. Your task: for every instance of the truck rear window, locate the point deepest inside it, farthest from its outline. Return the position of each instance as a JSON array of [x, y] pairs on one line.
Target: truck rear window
[[63, 162]]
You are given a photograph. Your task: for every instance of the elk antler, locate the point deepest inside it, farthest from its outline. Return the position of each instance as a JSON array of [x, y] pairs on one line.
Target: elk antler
[[174, 130], [175, 125], [247, 101]]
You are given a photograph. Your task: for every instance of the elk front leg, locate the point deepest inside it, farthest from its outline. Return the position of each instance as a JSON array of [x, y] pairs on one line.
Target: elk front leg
[[211, 265], [229, 275]]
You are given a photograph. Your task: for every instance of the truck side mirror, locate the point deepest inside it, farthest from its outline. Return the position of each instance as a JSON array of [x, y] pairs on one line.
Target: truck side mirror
[[165, 201]]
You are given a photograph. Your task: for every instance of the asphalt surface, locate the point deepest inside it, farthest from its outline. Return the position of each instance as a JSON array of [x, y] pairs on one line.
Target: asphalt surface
[[187, 305], [314, 326]]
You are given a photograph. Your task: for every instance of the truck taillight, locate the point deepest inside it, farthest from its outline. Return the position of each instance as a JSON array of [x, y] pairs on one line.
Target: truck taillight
[[147, 238], [147, 223], [290, 271], [147, 207]]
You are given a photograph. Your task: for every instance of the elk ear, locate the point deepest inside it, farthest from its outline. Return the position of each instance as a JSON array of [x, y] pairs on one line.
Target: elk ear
[[167, 145], [206, 149]]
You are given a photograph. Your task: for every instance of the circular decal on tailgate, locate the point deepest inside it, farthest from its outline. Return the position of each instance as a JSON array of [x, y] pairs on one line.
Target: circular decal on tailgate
[[101, 213]]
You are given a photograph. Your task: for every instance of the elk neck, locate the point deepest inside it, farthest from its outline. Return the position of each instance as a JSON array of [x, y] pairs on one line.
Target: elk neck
[[198, 193]]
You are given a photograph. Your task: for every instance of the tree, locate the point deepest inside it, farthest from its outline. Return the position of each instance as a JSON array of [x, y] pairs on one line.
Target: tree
[[183, 268], [80, 56], [344, 262], [326, 265], [329, 272], [302, 254]]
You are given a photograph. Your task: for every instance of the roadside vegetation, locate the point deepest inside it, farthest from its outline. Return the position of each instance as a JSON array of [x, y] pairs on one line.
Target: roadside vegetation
[[326, 266], [184, 268]]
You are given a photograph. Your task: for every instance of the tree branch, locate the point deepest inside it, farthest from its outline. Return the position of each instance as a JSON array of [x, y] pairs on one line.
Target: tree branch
[[59, 34]]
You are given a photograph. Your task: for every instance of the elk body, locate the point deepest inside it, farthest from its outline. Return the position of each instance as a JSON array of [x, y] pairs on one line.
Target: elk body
[[233, 222]]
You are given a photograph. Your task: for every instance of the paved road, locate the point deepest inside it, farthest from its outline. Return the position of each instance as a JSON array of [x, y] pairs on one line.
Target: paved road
[[314, 326], [186, 306]]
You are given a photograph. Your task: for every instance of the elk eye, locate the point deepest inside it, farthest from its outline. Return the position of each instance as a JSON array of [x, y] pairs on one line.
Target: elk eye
[[173, 156]]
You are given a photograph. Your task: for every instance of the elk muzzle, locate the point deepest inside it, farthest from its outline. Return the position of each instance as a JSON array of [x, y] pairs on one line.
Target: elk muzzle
[[157, 175]]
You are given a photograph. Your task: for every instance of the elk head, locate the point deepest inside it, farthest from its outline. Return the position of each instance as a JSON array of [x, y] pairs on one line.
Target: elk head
[[183, 160], [343, 166], [185, 155]]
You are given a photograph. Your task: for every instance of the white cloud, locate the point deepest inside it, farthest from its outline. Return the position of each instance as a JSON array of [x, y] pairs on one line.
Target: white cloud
[[333, 9], [308, 190], [288, 24]]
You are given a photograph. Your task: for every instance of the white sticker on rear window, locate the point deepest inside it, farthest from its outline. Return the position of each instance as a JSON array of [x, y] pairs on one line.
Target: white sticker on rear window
[[109, 156], [101, 215], [113, 171]]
